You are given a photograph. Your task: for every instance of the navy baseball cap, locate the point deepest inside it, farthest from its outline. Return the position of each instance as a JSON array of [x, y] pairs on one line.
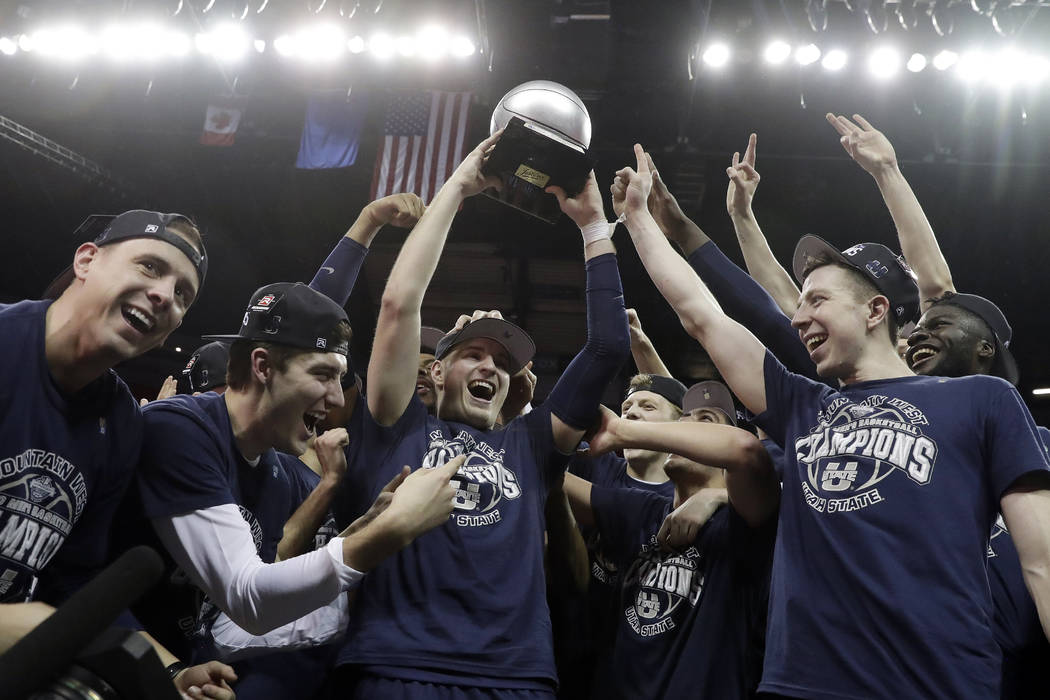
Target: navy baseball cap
[[667, 387], [429, 337], [514, 340], [104, 229], [1005, 365], [206, 368], [710, 394], [293, 314], [885, 269]]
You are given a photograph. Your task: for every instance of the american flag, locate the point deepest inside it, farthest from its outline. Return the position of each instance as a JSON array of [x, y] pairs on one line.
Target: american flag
[[422, 142]]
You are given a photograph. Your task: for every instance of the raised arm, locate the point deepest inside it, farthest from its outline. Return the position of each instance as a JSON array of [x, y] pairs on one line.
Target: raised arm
[[753, 486], [646, 359], [1026, 510], [743, 181], [298, 534], [874, 152], [738, 355], [395, 351]]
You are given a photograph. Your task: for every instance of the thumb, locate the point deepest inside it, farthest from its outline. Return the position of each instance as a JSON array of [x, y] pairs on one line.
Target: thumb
[[557, 192], [397, 480]]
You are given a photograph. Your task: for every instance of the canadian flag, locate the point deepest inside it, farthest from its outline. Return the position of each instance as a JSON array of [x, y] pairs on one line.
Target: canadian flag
[[220, 125]]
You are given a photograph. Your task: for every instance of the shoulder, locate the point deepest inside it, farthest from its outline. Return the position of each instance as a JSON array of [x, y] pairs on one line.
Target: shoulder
[[27, 309], [180, 415]]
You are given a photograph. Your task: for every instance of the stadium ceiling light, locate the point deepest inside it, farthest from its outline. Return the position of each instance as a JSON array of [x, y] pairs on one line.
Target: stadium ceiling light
[[356, 44], [1036, 70], [462, 47], [68, 43], [322, 43], [884, 62], [716, 55], [432, 42], [406, 46], [972, 66], [8, 46], [1041, 391], [777, 52], [260, 45], [226, 42], [834, 60], [945, 60], [917, 63], [25, 42], [805, 55], [284, 45], [381, 46]]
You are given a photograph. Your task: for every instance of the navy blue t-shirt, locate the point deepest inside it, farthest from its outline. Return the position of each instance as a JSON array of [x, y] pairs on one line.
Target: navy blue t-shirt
[[465, 602], [689, 623], [65, 462], [880, 587]]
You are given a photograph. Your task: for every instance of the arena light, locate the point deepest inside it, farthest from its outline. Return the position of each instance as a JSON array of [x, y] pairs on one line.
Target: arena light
[[808, 54], [972, 66], [462, 47], [884, 62], [321, 44], [432, 42], [25, 42], [356, 44], [406, 46], [381, 46], [284, 45], [1036, 70], [777, 52], [917, 63], [834, 60], [1006, 68], [226, 42], [1041, 391], [260, 45], [716, 55], [945, 60], [66, 43], [8, 46]]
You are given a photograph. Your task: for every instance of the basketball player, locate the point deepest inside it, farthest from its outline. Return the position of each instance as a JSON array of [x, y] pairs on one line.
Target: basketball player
[[865, 509]]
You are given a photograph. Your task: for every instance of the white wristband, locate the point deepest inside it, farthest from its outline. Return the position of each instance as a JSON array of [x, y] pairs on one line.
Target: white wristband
[[596, 231]]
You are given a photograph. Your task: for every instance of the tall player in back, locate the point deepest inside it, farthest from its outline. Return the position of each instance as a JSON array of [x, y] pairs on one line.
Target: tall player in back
[[891, 482]]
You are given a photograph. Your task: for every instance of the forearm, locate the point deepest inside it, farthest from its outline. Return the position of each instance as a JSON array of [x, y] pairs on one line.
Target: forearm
[[646, 359], [685, 233], [918, 242], [385, 536], [18, 619], [338, 274], [566, 550], [1026, 510], [578, 493], [318, 627], [726, 446], [762, 265], [298, 534]]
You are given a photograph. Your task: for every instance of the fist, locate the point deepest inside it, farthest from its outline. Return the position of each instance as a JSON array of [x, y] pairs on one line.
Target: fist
[[402, 210]]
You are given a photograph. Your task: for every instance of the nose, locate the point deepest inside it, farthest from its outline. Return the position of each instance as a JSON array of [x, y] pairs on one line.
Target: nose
[[800, 321], [917, 336], [334, 396], [162, 292], [487, 364], [632, 413]]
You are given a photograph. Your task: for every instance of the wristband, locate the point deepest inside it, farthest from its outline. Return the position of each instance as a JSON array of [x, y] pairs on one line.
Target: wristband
[[175, 669], [596, 231]]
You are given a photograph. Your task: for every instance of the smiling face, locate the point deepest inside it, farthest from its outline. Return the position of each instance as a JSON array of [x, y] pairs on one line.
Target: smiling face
[[134, 293], [298, 396], [949, 342], [472, 382], [424, 383], [834, 321], [647, 406]]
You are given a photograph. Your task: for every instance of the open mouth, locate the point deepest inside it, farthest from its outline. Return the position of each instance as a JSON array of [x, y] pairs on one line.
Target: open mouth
[[423, 388], [920, 354], [311, 419], [815, 341], [138, 319], [482, 389]]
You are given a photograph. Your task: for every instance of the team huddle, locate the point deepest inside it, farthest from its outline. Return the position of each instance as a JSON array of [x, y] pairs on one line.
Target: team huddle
[[860, 509]]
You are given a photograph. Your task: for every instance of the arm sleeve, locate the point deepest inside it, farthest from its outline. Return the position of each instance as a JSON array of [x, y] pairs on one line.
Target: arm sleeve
[[337, 276], [214, 547], [578, 393], [316, 628], [744, 300]]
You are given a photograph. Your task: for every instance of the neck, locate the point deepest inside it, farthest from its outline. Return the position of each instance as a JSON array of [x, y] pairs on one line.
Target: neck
[[877, 361], [74, 358], [247, 421], [648, 468], [686, 487]]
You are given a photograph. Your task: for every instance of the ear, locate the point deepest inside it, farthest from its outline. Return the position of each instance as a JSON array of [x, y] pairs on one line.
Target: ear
[[878, 309], [985, 350], [437, 373], [262, 368], [82, 259]]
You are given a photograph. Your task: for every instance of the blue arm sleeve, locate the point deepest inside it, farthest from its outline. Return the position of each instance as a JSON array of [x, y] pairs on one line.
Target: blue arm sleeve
[[745, 301], [578, 393], [339, 272]]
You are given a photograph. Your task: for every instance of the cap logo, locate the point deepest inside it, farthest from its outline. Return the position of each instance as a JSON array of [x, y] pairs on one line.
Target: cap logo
[[707, 394], [272, 326], [900, 310], [853, 250], [189, 365], [877, 269], [266, 300], [151, 228], [244, 322], [322, 343]]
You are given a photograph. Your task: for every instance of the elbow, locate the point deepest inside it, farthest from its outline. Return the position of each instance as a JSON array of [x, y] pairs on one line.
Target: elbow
[[393, 304], [752, 455], [242, 603]]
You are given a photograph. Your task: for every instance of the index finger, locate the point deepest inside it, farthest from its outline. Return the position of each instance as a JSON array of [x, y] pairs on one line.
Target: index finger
[[749, 154], [839, 126], [863, 122], [449, 468], [639, 154]]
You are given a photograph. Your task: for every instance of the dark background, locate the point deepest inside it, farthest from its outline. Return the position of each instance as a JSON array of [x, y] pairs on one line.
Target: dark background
[[978, 157]]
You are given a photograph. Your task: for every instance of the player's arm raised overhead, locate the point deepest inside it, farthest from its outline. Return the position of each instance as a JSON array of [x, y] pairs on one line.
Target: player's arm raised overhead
[[395, 352], [738, 355], [646, 358], [874, 152], [743, 182]]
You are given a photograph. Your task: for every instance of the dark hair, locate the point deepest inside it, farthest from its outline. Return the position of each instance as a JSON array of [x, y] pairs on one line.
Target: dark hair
[[863, 288], [239, 367]]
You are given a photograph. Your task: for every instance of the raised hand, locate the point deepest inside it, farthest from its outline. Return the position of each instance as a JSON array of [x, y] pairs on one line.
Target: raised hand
[[637, 184], [662, 204], [468, 176], [381, 503], [464, 319], [402, 210], [168, 389], [330, 453], [683, 524], [743, 180], [864, 143], [519, 394], [586, 207]]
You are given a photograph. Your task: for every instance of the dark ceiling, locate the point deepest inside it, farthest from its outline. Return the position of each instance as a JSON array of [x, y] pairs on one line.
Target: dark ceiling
[[978, 158]]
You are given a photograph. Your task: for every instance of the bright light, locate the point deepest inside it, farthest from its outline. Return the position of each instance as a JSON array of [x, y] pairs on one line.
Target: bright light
[[66, 43], [945, 60], [176, 43], [381, 46], [284, 45], [1036, 70], [972, 66], [178, 349], [325, 42], [119, 42], [777, 52], [461, 47], [226, 42], [260, 45], [25, 42], [884, 62], [716, 55], [356, 44], [1041, 391], [917, 63], [406, 46], [1006, 68], [432, 43], [834, 60], [805, 55], [8, 46]]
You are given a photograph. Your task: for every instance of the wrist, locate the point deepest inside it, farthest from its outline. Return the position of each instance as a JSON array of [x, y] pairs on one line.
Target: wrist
[[331, 480], [742, 214], [595, 230], [175, 669], [885, 172]]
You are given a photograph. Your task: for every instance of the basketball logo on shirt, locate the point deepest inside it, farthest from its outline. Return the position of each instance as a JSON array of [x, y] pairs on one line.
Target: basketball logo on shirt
[[998, 529], [854, 446], [253, 524], [481, 483], [660, 584]]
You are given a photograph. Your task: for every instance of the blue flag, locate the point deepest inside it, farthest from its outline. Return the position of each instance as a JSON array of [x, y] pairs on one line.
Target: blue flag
[[332, 130]]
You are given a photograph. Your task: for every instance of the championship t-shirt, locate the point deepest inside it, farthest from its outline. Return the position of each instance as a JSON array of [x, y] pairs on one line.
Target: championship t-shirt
[[465, 602], [65, 462], [689, 623], [880, 587]]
